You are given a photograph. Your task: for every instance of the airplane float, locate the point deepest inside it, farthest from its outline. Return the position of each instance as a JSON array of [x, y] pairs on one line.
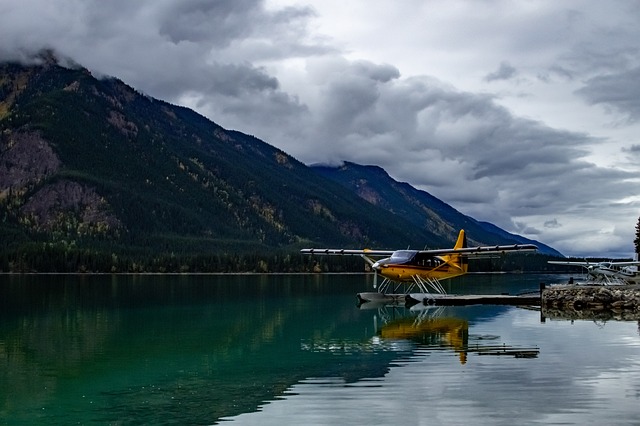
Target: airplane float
[[607, 273], [423, 269]]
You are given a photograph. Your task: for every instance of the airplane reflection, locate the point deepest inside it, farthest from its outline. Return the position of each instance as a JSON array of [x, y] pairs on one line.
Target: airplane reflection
[[430, 330], [401, 329], [427, 326]]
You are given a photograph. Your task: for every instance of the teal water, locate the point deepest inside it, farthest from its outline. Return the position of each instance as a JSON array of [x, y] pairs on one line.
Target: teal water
[[295, 349]]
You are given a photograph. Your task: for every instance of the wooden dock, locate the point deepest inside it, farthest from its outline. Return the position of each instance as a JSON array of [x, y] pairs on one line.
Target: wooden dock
[[529, 299]]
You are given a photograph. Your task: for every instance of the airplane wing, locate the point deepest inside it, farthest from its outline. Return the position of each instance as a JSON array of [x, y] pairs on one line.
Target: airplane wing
[[571, 263], [436, 252], [482, 249], [337, 252]]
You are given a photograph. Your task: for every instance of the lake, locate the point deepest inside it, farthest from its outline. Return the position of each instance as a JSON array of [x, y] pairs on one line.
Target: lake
[[296, 349]]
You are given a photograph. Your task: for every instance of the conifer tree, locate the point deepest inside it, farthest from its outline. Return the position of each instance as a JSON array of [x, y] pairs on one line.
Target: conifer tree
[[636, 241]]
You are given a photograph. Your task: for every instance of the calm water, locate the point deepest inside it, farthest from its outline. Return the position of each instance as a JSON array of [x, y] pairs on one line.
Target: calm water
[[295, 349]]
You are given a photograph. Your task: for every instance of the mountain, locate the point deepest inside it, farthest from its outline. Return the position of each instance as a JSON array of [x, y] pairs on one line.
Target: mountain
[[105, 178], [422, 209]]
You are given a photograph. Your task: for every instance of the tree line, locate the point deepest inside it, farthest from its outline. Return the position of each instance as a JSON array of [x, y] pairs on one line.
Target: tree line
[[38, 257]]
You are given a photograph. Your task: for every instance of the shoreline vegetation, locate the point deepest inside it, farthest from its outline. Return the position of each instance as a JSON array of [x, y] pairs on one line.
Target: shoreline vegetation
[[39, 260]]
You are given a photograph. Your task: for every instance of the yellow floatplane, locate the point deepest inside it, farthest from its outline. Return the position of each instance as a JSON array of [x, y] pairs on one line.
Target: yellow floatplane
[[406, 270]]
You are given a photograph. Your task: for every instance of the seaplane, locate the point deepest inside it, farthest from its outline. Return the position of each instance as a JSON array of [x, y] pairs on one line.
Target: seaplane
[[406, 270], [606, 273]]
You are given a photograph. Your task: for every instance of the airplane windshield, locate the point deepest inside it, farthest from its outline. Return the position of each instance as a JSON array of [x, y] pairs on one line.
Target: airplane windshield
[[402, 256]]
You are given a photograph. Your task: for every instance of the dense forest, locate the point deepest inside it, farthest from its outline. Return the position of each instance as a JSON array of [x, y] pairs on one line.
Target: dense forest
[[44, 257]]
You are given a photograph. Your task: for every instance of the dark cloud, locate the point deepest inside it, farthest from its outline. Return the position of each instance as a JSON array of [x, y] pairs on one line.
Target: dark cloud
[[216, 22], [552, 224], [619, 91], [523, 228], [505, 72], [351, 97], [633, 149]]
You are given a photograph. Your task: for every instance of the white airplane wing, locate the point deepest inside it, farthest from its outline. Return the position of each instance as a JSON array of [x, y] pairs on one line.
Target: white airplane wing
[[482, 249], [571, 263], [436, 252], [338, 252]]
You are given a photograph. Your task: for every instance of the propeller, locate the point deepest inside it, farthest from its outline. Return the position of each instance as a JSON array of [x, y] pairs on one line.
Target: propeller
[[375, 266], [372, 264]]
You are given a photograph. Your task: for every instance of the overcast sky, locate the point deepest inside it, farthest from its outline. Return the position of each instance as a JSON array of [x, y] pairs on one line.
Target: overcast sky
[[521, 113]]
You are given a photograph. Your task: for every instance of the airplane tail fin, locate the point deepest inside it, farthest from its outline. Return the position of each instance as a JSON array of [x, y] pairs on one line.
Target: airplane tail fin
[[459, 260], [462, 240]]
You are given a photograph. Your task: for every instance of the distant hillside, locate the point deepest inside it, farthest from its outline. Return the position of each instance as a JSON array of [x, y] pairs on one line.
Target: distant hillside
[[97, 174], [420, 208]]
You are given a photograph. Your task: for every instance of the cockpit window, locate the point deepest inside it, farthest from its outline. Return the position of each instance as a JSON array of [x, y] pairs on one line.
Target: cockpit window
[[402, 256], [425, 259]]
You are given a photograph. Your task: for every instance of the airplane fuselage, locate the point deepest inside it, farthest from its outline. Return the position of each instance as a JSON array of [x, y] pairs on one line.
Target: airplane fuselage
[[405, 265], [407, 272]]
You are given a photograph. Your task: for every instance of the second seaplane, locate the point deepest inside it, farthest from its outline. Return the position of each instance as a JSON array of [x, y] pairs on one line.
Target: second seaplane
[[606, 273], [406, 270]]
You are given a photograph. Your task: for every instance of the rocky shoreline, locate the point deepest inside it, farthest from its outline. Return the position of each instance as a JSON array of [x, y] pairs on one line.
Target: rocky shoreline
[[592, 301]]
